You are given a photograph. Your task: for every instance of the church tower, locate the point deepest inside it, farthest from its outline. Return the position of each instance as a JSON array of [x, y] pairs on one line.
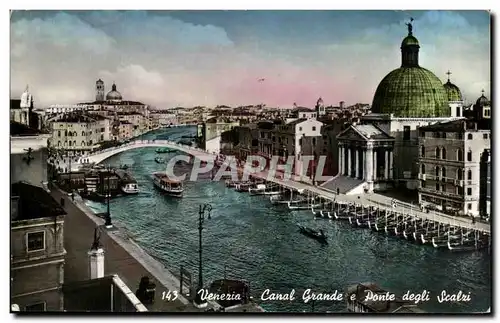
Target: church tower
[[320, 108], [26, 106], [99, 90]]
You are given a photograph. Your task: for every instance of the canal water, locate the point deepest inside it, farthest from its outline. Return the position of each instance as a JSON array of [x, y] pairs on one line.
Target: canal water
[[248, 238]]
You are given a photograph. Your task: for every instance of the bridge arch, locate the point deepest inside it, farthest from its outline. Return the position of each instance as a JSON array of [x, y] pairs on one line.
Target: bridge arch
[[101, 155]]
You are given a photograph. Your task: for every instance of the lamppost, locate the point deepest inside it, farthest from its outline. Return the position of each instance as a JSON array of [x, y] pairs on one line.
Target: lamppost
[[198, 302], [108, 223]]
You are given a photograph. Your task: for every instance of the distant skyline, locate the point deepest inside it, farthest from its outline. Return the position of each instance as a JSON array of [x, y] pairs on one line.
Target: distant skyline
[[187, 58]]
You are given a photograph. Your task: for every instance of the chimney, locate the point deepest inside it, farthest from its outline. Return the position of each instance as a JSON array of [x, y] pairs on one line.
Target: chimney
[[96, 258], [341, 104]]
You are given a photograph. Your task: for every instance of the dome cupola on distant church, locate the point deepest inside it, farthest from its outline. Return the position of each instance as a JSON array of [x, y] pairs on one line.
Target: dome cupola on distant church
[[452, 91], [113, 95], [482, 101], [411, 91]]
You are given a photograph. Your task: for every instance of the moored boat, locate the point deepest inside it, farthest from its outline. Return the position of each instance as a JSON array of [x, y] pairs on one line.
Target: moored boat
[[164, 150], [130, 188], [167, 185]]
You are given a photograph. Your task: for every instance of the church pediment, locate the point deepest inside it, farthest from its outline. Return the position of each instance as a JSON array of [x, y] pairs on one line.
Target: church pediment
[[351, 134]]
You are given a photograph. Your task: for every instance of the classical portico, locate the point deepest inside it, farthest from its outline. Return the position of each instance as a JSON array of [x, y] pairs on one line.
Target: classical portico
[[366, 153]]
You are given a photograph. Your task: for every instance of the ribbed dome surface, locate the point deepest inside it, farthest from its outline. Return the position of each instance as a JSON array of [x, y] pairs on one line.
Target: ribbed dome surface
[[482, 101], [452, 91], [113, 95], [411, 92], [409, 40]]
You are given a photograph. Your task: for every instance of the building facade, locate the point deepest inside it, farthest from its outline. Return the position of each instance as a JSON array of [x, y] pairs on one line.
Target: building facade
[[449, 166]]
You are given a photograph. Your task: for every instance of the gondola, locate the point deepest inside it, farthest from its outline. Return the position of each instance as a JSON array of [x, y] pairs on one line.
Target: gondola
[[317, 235]]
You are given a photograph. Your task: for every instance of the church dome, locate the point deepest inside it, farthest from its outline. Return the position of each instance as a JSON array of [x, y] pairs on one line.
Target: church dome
[[411, 91], [452, 91], [113, 95], [482, 101]]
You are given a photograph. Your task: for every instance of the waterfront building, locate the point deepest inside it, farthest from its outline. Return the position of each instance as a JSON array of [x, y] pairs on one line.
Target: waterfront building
[[163, 118], [22, 111], [78, 132], [212, 130], [409, 97], [449, 165], [126, 131]]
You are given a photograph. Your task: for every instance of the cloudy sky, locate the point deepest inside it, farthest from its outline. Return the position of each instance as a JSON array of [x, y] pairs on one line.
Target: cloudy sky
[[186, 58]]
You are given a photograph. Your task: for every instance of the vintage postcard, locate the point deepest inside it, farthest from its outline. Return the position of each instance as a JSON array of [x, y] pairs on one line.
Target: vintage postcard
[[325, 161]]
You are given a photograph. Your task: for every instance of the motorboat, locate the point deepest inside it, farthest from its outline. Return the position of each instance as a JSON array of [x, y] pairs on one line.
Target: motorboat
[[130, 188], [169, 186]]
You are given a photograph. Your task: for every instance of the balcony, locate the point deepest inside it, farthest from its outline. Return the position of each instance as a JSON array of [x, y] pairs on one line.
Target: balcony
[[440, 193]]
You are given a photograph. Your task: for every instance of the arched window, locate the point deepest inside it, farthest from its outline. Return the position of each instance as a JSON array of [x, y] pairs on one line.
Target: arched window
[[469, 175], [443, 153], [460, 155], [469, 155], [437, 152], [70, 143], [422, 151], [74, 143], [75, 134], [70, 134], [59, 143], [59, 133], [460, 173], [65, 143], [422, 169], [83, 133], [437, 171], [469, 136], [443, 172], [83, 143], [65, 133]]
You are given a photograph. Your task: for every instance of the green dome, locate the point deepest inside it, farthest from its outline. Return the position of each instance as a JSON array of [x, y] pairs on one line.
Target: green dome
[[411, 92], [452, 91], [409, 40]]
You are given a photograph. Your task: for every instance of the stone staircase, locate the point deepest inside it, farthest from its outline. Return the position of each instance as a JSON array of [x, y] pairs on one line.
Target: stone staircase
[[345, 184]]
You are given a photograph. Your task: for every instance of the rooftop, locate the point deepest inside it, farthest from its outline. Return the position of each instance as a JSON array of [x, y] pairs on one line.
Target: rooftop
[[460, 125], [371, 131], [104, 103], [33, 202], [80, 118]]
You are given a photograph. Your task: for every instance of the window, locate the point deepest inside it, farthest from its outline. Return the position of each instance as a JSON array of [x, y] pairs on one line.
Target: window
[[469, 175], [422, 184], [406, 133], [469, 206], [35, 241], [38, 307], [459, 174], [443, 172], [300, 128], [303, 115], [485, 136], [314, 141], [437, 171], [443, 187], [460, 135], [457, 111], [469, 155], [469, 136], [437, 152], [83, 143], [469, 190], [83, 133], [443, 153], [70, 143], [460, 155], [59, 133], [437, 187], [422, 169], [444, 135], [422, 151], [314, 128]]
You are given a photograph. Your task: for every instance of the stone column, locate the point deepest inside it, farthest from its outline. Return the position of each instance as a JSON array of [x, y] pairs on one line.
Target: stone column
[[386, 168], [363, 175], [391, 172], [357, 163], [349, 161], [96, 263], [369, 166], [340, 161], [374, 165]]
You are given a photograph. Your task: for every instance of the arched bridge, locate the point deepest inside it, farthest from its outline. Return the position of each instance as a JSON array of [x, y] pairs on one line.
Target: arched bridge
[[99, 156]]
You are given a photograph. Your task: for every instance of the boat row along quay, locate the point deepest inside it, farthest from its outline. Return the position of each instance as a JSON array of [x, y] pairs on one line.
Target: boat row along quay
[[425, 229]]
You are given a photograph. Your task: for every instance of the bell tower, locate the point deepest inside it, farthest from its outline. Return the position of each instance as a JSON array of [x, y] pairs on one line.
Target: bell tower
[[99, 90]]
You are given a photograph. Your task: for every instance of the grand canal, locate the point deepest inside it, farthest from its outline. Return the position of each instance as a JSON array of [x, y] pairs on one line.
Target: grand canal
[[251, 239]]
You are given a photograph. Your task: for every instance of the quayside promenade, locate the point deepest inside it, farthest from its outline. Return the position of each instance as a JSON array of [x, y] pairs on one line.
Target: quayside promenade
[[123, 257]]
